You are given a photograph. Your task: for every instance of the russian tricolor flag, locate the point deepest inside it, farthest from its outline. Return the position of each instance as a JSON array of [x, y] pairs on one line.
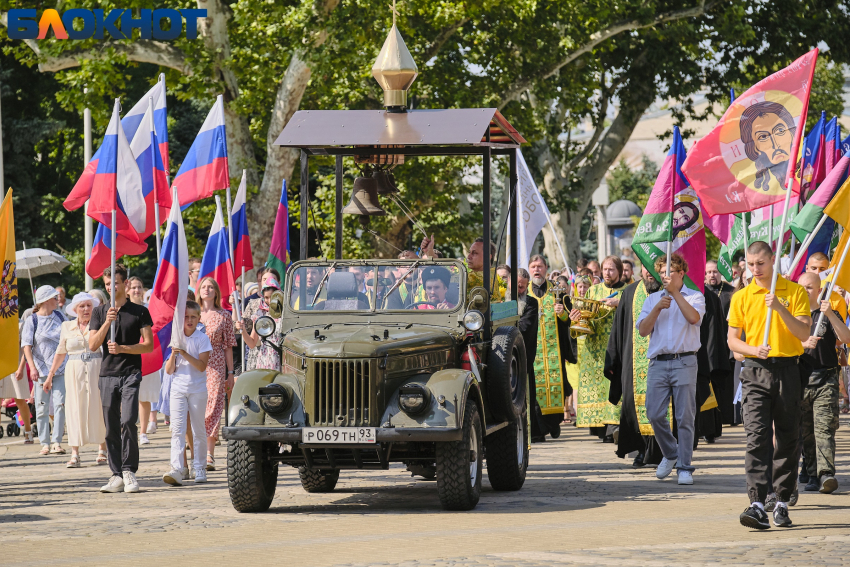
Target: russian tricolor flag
[[83, 188], [118, 184], [145, 148], [242, 258], [168, 299], [216, 262], [204, 169], [101, 257]]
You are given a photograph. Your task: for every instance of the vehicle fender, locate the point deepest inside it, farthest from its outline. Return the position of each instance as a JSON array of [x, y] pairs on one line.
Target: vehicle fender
[[453, 384], [249, 384], [296, 408]]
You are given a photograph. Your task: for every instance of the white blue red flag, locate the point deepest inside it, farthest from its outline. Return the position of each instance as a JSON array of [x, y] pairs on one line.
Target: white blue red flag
[[145, 147], [101, 254], [118, 184], [216, 262], [168, 299], [204, 170], [239, 226], [82, 190]]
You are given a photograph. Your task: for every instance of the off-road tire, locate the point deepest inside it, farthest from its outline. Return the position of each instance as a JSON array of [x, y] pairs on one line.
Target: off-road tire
[[507, 456], [506, 374], [318, 480], [455, 487], [251, 476]]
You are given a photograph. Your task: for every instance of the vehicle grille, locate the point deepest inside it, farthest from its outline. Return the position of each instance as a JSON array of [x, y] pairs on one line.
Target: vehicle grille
[[342, 392]]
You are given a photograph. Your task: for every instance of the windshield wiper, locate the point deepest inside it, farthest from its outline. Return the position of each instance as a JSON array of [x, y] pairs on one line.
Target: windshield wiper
[[400, 281], [322, 283]]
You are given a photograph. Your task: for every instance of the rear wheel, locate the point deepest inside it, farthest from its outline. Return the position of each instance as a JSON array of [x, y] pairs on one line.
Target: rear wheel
[[460, 464], [318, 481], [507, 456], [251, 476], [506, 374]]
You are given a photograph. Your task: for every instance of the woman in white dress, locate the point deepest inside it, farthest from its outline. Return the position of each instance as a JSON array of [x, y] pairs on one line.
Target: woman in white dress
[[84, 412]]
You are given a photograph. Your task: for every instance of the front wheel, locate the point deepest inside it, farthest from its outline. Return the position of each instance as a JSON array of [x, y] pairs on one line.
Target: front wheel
[[251, 476], [507, 456], [460, 464], [318, 481]]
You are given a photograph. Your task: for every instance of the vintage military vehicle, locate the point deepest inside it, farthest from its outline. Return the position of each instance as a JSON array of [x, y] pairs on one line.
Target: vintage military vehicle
[[373, 371]]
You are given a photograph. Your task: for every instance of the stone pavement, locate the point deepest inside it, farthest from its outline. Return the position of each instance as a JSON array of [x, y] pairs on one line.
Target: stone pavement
[[581, 505]]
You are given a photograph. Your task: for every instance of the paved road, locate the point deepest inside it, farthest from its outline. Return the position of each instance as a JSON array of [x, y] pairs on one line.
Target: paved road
[[581, 505]]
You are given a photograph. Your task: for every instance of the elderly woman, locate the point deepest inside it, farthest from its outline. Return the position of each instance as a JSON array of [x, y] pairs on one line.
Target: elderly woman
[[84, 412], [219, 328], [262, 353], [40, 339]]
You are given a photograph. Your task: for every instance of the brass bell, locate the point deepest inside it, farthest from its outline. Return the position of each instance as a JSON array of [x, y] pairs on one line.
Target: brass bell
[[364, 199], [386, 182]]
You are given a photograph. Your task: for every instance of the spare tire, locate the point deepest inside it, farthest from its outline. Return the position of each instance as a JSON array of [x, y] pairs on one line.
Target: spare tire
[[506, 378]]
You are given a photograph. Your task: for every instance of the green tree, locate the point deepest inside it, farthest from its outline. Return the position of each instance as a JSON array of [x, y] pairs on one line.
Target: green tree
[[633, 185]]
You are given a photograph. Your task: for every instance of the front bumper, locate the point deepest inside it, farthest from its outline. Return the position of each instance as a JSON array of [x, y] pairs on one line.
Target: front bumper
[[383, 434]]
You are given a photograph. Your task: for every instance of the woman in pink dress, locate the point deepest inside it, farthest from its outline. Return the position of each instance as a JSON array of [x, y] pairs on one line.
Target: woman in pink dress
[[219, 329]]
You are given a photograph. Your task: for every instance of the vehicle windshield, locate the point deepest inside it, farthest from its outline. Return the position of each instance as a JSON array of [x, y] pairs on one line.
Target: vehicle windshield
[[372, 287]]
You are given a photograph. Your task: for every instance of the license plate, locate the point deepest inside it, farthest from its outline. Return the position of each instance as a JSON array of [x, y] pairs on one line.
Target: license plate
[[338, 435]]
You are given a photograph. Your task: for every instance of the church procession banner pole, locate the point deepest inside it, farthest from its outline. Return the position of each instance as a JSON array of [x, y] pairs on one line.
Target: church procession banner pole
[[788, 186]]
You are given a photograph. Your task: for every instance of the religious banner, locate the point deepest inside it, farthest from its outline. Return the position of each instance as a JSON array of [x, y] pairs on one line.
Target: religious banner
[[532, 214], [743, 163], [674, 201]]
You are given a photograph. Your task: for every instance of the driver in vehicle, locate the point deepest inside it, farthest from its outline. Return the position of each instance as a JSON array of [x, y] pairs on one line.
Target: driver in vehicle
[[437, 281], [475, 266]]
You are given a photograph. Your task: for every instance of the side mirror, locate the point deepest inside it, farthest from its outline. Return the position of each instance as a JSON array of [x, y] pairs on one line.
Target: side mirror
[[276, 304], [479, 300]]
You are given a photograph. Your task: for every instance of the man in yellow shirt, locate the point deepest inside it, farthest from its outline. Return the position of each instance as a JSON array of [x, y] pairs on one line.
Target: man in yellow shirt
[[771, 382]]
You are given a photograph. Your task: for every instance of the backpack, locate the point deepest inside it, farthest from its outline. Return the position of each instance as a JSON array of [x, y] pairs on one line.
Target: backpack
[[56, 313]]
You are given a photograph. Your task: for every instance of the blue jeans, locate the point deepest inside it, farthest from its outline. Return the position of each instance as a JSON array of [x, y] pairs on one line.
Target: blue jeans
[[676, 379], [42, 409]]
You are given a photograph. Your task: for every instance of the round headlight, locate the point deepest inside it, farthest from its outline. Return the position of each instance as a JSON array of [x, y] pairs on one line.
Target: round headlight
[[413, 398], [274, 398], [265, 326], [473, 320]]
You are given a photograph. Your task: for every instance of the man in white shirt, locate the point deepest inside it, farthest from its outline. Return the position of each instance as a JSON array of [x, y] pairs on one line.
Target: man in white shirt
[[671, 318], [188, 367]]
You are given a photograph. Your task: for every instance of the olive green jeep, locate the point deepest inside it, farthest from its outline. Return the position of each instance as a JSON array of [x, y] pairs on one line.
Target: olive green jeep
[[372, 373]]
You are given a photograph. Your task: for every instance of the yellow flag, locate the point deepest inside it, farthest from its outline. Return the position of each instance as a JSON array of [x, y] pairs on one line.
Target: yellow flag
[[839, 207], [842, 278], [8, 291]]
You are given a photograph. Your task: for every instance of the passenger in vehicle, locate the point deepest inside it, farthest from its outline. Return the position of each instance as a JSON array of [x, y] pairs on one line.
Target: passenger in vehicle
[[437, 280], [313, 276]]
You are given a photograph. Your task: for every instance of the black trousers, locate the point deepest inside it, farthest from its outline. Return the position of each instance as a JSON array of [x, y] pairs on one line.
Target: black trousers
[[119, 396], [771, 406]]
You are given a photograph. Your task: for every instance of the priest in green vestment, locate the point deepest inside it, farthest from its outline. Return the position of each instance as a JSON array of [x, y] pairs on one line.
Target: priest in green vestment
[[593, 408]]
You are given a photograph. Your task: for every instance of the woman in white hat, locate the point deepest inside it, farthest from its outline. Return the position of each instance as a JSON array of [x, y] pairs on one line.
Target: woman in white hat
[[84, 412]]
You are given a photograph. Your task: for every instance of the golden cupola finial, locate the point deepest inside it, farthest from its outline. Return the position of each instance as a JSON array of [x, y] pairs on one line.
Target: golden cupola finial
[[394, 69]]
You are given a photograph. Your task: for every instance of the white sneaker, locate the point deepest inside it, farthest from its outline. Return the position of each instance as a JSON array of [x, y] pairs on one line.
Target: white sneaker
[[151, 428], [143, 440], [200, 476], [130, 482], [173, 478], [115, 484], [192, 473], [185, 474], [665, 468], [686, 477]]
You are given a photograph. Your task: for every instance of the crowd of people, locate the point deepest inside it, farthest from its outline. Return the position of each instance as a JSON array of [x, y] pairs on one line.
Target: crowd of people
[[654, 367], [664, 366]]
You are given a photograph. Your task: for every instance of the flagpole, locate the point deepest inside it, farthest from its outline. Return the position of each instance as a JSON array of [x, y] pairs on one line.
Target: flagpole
[[788, 186], [113, 233], [87, 221], [229, 225], [831, 285], [770, 227], [29, 274]]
